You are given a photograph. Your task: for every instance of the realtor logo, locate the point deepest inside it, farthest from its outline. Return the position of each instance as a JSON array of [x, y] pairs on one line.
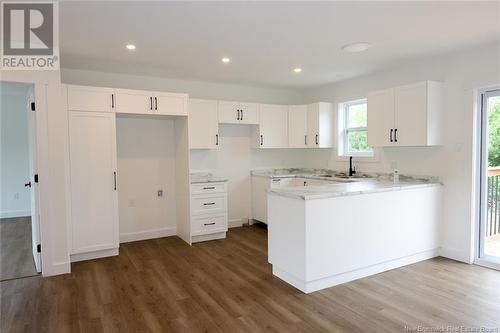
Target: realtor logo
[[29, 36]]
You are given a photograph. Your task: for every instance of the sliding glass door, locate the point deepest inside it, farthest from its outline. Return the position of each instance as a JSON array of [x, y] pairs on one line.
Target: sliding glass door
[[489, 229]]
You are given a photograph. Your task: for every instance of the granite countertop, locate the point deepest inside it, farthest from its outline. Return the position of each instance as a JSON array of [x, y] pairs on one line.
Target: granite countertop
[[340, 185], [204, 177]]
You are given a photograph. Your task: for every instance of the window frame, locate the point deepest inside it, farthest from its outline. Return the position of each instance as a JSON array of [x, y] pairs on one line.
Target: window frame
[[345, 130]]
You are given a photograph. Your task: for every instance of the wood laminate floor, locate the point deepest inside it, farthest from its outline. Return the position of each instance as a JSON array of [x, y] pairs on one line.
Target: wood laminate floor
[[16, 257], [164, 285]]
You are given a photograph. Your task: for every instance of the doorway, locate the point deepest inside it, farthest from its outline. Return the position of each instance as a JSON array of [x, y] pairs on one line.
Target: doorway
[[489, 224], [20, 248]]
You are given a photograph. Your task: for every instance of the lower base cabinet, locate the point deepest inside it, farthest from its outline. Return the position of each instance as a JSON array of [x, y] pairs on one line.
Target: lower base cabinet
[[208, 211]]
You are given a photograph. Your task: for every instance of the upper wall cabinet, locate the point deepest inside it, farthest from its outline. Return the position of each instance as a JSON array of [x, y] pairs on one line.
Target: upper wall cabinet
[[238, 113], [408, 115], [150, 102], [320, 125], [203, 124], [297, 126], [273, 129], [94, 99]]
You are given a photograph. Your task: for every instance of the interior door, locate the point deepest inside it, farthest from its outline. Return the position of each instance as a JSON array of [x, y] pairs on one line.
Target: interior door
[[33, 181], [410, 115], [297, 126], [381, 118], [273, 126]]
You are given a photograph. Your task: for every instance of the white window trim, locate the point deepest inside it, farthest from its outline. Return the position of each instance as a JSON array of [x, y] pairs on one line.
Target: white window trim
[[342, 154]]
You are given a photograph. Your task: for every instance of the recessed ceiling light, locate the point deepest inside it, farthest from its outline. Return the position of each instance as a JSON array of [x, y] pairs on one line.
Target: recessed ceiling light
[[225, 60], [297, 70], [130, 47], [356, 47]]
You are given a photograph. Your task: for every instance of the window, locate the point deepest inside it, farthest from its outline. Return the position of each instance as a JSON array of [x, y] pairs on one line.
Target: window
[[353, 130]]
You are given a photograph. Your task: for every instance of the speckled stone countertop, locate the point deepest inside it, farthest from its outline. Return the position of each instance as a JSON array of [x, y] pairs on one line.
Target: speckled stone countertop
[[338, 184], [205, 177]]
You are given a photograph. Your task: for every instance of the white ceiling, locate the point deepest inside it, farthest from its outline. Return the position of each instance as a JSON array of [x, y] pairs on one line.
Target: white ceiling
[[266, 40]]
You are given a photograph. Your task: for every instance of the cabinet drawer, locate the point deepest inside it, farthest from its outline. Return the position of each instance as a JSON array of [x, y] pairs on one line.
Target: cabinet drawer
[[208, 205], [209, 224], [206, 188]]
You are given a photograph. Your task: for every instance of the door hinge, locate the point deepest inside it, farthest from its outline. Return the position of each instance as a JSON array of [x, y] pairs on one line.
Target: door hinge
[[39, 248], [33, 106], [36, 178]]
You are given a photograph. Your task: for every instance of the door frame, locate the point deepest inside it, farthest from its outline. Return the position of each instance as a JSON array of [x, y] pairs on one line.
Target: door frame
[[481, 178]]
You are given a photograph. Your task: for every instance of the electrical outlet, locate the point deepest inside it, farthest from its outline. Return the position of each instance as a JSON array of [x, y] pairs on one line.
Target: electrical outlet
[[160, 193]]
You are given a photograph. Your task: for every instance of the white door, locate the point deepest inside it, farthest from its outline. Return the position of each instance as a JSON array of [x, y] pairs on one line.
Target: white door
[[134, 101], [249, 113], [203, 124], [297, 126], [170, 104], [90, 98], [313, 125], [381, 118], [94, 215], [33, 181], [229, 112], [410, 115], [273, 126]]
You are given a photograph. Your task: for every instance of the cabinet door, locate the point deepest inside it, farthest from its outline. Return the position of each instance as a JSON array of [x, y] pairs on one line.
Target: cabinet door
[[259, 198], [83, 98], [313, 125], [380, 118], [273, 126], [170, 104], [134, 101], [411, 114], [94, 215], [249, 113], [297, 126], [203, 124], [229, 112]]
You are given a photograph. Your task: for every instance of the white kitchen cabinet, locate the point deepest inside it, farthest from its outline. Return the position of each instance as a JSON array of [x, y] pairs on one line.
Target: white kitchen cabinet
[[238, 113], [94, 207], [273, 127], [209, 218], [408, 115], [203, 124], [150, 102], [297, 126], [93, 99], [320, 125]]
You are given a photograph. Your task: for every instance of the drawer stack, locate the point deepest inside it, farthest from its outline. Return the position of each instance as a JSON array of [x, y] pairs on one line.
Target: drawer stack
[[208, 211]]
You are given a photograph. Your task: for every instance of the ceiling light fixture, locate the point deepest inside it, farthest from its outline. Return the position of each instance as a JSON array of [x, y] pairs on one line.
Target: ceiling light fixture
[[225, 60], [130, 47], [297, 70], [356, 47]]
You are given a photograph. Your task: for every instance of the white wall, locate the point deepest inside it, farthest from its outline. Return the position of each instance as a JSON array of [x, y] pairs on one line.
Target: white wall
[[14, 160], [145, 165], [460, 73]]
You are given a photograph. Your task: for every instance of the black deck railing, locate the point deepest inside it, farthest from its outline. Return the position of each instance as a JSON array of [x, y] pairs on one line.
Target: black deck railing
[[493, 215]]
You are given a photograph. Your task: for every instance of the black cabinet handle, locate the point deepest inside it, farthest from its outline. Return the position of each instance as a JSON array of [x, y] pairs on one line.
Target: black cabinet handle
[[156, 103], [261, 140], [28, 184], [209, 188], [396, 135], [238, 117], [151, 101], [241, 118], [216, 139], [212, 223], [305, 140], [317, 139], [208, 203], [390, 135], [112, 101], [114, 179]]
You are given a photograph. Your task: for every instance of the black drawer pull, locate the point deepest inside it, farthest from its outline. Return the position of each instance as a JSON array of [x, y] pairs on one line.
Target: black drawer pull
[[208, 203], [211, 223], [209, 188]]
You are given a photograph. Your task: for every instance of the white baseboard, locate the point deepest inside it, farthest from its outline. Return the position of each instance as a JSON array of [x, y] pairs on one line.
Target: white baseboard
[[93, 255], [14, 213], [57, 269], [330, 281], [147, 234], [236, 223], [454, 254]]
